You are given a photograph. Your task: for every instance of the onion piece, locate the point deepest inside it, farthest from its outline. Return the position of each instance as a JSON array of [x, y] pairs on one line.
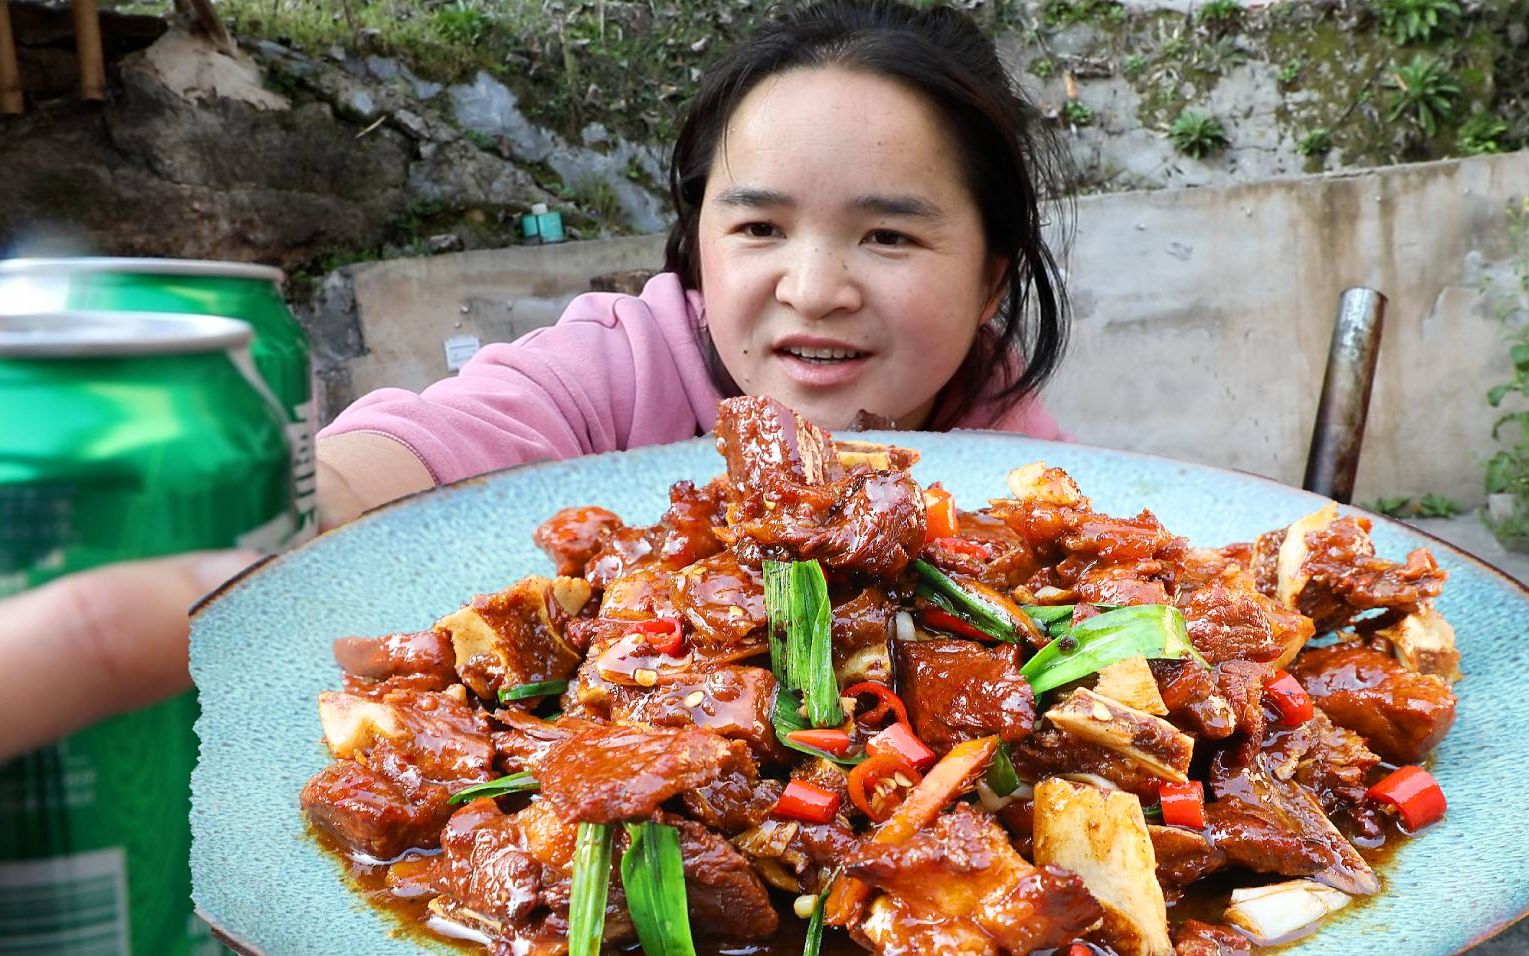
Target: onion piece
[[1273, 914]]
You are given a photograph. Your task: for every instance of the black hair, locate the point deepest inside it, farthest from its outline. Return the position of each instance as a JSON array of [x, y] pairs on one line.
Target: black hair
[[1007, 152]]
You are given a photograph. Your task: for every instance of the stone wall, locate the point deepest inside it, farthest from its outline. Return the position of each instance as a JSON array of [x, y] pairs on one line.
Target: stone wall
[[1203, 316]]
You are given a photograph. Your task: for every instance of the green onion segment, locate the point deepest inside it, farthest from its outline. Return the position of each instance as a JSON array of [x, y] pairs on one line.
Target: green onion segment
[[1001, 776], [653, 875], [1140, 630], [591, 885], [984, 615], [515, 783], [801, 639], [538, 689]]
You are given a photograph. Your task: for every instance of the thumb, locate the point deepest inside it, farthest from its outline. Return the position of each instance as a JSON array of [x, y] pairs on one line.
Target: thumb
[[99, 643]]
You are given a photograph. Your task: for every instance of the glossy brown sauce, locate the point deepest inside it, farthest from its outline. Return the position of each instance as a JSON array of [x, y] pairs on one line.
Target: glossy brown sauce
[[1207, 899]]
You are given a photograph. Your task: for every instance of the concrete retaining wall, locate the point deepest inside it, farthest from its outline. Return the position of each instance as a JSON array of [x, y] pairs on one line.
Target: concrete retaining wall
[[1202, 316]]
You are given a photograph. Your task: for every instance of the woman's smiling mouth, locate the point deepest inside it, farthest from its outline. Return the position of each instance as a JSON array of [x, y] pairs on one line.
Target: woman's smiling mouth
[[816, 363]]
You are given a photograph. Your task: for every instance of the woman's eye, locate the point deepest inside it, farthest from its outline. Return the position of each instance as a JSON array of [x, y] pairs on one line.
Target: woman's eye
[[887, 237], [760, 230]]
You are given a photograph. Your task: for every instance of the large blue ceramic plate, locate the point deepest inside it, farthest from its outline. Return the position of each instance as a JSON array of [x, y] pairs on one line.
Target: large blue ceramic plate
[[260, 655]]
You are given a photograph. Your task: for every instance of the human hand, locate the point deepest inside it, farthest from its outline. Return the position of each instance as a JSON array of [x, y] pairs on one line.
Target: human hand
[[98, 643]]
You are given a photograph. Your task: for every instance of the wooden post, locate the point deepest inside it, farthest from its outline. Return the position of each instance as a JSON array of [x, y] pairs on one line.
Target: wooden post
[[11, 102], [87, 45]]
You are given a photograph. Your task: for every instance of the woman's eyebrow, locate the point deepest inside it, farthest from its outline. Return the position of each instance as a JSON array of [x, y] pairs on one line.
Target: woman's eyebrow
[[915, 206], [753, 197]]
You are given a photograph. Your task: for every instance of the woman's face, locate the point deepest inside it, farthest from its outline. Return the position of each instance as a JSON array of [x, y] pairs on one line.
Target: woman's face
[[842, 257]]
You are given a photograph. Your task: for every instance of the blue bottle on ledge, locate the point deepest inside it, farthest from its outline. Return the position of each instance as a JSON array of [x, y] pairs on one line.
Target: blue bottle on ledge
[[541, 225]]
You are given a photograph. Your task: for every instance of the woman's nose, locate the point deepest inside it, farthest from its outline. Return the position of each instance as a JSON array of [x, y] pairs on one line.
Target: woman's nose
[[817, 282]]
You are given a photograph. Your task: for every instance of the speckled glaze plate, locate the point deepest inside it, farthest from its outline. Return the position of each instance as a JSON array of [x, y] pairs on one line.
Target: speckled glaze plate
[[260, 655]]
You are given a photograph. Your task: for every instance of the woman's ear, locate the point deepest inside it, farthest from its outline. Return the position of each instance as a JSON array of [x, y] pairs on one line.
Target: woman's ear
[[998, 284]]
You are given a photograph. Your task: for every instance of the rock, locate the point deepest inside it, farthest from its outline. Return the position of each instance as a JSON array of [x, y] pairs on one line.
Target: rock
[[412, 124], [459, 174], [446, 242], [488, 106]]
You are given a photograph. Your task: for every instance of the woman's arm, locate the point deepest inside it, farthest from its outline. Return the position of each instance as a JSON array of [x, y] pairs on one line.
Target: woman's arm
[[358, 471]]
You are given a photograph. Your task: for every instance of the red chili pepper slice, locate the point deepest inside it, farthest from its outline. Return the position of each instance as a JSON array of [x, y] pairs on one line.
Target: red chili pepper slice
[[663, 634], [1080, 949], [940, 512], [886, 703], [946, 621], [836, 742], [1183, 803], [900, 741], [971, 549], [805, 801], [875, 787], [1289, 698], [1414, 793]]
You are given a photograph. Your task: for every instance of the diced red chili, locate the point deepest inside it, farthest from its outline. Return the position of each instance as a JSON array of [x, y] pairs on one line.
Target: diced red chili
[[887, 703], [1080, 949], [946, 621], [1183, 803], [940, 511], [663, 634], [836, 742], [1289, 698], [1415, 795], [971, 549], [806, 801], [900, 741], [880, 783]]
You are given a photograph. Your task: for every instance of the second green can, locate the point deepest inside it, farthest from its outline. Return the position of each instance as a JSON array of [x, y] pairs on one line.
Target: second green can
[[244, 291]]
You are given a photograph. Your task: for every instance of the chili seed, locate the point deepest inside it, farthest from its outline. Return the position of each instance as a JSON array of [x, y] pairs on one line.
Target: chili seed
[[694, 698], [645, 676]]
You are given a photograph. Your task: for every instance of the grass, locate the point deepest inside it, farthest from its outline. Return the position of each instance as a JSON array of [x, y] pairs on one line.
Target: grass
[[1197, 135]]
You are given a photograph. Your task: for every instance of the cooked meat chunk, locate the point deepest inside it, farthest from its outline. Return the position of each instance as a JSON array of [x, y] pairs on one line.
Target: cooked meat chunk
[[862, 638], [959, 690], [1275, 826], [895, 927], [962, 866], [1051, 751], [1326, 567], [526, 739], [795, 856], [725, 895], [722, 599], [732, 701], [516, 636], [1194, 938], [682, 536], [626, 773], [736, 801], [572, 536], [1401, 714], [1330, 761], [366, 811], [1183, 856], [1151, 742], [435, 735], [1227, 625], [425, 656], [790, 500]]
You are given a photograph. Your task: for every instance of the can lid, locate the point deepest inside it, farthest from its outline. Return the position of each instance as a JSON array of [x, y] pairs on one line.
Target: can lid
[[207, 268], [117, 334]]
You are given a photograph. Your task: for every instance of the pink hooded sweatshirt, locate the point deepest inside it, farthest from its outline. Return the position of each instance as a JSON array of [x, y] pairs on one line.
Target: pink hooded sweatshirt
[[615, 372]]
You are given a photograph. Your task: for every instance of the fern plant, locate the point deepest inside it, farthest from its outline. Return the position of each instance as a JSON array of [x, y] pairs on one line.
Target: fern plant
[[1197, 135], [1425, 92], [1417, 21], [1481, 134]]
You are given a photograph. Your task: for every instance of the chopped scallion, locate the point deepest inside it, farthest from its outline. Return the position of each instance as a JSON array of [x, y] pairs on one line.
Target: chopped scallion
[[538, 689], [1001, 776], [814, 941], [653, 875], [801, 637], [787, 718], [984, 615], [1140, 630], [591, 885], [515, 783]]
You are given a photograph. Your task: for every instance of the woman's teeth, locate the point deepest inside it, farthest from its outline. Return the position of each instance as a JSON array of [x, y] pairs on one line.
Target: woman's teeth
[[824, 355]]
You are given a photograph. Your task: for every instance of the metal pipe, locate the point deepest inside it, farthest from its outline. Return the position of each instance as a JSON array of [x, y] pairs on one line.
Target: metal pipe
[[1338, 434]]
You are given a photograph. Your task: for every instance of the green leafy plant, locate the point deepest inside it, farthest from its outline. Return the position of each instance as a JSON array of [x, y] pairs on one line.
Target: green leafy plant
[[1134, 64], [1424, 92], [1390, 507], [1043, 68], [1438, 506], [1197, 135], [1220, 13], [1291, 71], [1482, 133], [1417, 21], [1077, 113], [461, 23], [1316, 142], [1507, 473]]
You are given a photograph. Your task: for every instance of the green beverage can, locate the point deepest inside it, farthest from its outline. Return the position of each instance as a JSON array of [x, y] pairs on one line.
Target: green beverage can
[[237, 290], [122, 435]]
